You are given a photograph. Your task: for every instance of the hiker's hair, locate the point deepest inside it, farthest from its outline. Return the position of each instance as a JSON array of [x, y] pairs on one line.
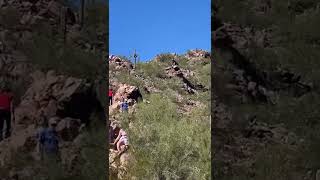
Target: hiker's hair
[[5, 87]]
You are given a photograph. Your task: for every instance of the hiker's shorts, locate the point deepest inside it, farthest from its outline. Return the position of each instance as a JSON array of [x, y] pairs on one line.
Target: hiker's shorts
[[124, 140]]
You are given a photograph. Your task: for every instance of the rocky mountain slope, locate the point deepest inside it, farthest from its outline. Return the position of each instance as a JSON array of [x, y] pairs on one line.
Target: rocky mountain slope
[[168, 121], [265, 88], [50, 77]]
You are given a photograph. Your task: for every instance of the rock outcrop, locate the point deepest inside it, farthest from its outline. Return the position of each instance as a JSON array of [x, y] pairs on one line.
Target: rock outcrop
[[120, 64]]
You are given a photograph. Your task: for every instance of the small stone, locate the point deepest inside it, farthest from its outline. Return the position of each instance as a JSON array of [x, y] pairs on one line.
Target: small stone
[[318, 174]]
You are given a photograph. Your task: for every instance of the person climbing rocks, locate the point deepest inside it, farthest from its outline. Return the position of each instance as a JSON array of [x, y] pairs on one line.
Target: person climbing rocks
[[110, 96], [174, 62], [124, 106], [122, 141], [49, 141], [111, 57], [6, 111], [113, 133]]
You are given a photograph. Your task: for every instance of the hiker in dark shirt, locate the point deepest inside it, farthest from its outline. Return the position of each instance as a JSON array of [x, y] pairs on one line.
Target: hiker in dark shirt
[[6, 111], [124, 106], [49, 141], [113, 134]]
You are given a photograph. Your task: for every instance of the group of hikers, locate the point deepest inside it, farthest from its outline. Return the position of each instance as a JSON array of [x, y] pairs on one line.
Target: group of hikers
[[124, 106], [118, 138], [47, 137]]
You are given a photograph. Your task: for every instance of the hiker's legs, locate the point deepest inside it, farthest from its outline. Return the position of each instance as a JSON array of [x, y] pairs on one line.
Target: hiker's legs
[[110, 100], [121, 143], [118, 145], [8, 124], [1, 124]]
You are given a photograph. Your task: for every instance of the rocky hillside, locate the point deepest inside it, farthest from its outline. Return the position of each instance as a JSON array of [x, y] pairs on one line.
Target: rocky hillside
[[54, 67], [168, 121], [266, 94]]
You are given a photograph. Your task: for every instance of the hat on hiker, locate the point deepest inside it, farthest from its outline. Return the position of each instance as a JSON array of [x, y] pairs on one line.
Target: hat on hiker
[[115, 124], [4, 86], [53, 121]]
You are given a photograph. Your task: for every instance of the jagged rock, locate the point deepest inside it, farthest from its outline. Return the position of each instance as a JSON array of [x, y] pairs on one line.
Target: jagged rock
[[120, 64], [119, 165], [55, 95], [222, 118], [127, 92], [251, 86], [198, 53], [275, 132], [71, 157], [26, 18], [2, 3], [24, 141], [318, 175], [68, 128], [115, 107]]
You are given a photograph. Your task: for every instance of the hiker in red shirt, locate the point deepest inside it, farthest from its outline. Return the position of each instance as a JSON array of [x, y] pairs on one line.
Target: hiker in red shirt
[[110, 97], [6, 111]]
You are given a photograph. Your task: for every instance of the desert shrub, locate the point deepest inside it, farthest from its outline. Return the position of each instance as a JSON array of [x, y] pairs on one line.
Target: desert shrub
[[165, 57], [151, 69], [172, 148], [10, 17]]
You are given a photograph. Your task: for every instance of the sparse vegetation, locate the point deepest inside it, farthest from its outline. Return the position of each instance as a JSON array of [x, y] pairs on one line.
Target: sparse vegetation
[[168, 147], [164, 143]]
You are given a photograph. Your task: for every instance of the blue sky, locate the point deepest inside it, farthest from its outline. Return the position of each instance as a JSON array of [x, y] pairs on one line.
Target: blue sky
[[158, 26]]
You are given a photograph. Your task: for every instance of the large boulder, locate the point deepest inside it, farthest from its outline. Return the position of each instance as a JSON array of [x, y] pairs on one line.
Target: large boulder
[[120, 64], [197, 53], [68, 128], [55, 95], [127, 92]]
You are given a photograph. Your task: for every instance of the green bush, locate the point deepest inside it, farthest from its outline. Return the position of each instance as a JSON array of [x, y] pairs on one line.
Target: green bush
[[151, 69], [166, 147]]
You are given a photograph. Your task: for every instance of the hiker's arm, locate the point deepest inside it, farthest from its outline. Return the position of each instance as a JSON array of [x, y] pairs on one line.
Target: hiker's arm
[[122, 150], [117, 139], [12, 111]]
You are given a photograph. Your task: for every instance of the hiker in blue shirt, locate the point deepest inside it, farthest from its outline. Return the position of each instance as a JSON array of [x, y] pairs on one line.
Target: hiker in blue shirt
[[48, 140], [124, 106]]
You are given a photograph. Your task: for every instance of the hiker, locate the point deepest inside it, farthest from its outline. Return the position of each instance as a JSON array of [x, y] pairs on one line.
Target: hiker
[[124, 105], [111, 57], [110, 96], [121, 142], [48, 140], [174, 62], [113, 133], [6, 111]]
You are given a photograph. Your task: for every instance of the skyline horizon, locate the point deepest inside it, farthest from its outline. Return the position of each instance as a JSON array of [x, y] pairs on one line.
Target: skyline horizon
[[158, 27], [128, 57]]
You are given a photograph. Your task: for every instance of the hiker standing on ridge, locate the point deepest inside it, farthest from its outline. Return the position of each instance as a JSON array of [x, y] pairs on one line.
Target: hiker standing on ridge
[[110, 96], [49, 141], [174, 62], [6, 111]]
